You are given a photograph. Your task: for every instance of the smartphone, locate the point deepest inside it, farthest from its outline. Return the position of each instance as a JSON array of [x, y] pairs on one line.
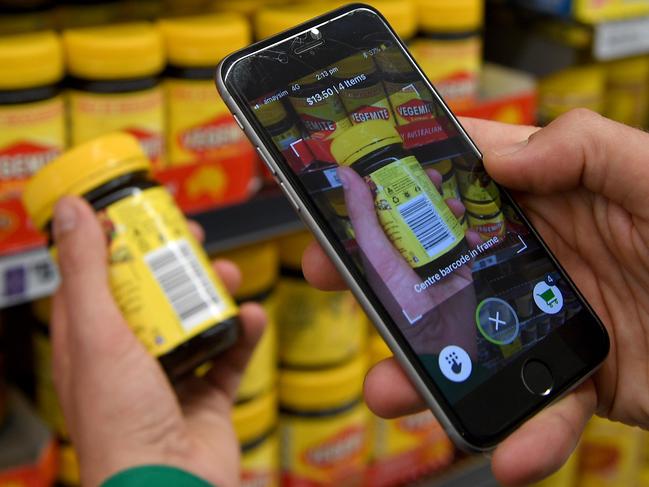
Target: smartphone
[[479, 313]]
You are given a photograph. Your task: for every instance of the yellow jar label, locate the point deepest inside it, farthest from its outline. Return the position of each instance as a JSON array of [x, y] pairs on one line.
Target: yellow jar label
[[31, 135], [487, 226], [453, 66], [367, 103], [627, 102], [139, 113], [405, 448], [412, 213], [159, 275], [609, 454], [260, 464], [199, 125], [477, 186], [304, 319], [261, 371], [47, 401], [324, 451], [410, 103], [450, 188]]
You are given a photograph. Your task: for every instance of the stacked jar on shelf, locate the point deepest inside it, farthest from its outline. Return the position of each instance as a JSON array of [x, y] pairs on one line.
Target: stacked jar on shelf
[[255, 413], [323, 421]]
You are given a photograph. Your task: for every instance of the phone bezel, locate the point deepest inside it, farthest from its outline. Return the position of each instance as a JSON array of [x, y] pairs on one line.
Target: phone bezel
[[595, 346]]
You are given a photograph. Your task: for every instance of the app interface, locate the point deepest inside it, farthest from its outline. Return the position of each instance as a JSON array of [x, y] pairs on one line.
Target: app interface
[[442, 248]]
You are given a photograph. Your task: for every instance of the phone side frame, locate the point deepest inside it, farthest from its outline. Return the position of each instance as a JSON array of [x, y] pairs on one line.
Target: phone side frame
[[312, 224]]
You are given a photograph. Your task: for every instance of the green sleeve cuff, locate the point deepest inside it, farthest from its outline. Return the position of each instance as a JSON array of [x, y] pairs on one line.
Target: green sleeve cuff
[[155, 475]]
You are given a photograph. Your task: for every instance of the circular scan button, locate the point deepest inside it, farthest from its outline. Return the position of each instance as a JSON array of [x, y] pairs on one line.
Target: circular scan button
[[537, 377], [455, 363], [497, 321]]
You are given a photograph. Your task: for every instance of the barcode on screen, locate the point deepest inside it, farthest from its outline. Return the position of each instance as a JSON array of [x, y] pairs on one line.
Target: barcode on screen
[[422, 218], [185, 283]]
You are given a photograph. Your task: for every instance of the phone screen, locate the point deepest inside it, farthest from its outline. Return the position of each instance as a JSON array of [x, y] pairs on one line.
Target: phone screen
[[440, 246]]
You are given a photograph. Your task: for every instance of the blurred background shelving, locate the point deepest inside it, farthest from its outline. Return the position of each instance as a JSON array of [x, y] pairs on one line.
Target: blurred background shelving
[[515, 61]]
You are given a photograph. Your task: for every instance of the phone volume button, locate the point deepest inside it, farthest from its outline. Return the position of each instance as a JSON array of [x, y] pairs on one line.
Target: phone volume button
[[236, 119], [266, 161], [291, 198]]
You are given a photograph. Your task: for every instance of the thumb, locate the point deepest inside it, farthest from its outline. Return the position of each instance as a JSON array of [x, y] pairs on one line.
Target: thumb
[[362, 214], [578, 148], [82, 257]]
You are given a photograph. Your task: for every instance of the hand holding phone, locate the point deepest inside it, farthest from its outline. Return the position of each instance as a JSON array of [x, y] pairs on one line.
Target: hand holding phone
[[483, 319], [560, 195]]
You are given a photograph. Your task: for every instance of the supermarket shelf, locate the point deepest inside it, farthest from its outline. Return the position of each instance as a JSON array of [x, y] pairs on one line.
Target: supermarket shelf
[[263, 217], [30, 275], [473, 472], [26, 276]]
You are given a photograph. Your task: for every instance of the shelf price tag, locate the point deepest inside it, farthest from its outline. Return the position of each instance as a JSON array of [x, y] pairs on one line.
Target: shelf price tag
[[613, 40], [27, 276]]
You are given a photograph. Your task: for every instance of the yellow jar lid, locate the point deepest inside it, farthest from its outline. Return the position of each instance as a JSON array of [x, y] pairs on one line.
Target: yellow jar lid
[[244, 7], [363, 139], [321, 389], [379, 350], [272, 19], [114, 51], [401, 15], [203, 40], [80, 170], [292, 247], [255, 417], [259, 266], [443, 167], [630, 70], [30, 60], [483, 208], [583, 80], [449, 15]]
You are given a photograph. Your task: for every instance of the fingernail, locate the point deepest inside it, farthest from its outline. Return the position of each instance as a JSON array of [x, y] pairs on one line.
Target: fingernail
[[343, 178], [511, 149], [65, 218]]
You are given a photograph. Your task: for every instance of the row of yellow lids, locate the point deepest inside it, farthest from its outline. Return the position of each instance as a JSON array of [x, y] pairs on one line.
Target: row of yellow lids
[[308, 391], [139, 49]]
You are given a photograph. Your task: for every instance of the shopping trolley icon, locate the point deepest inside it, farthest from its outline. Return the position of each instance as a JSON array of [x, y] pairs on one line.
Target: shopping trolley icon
[[549, 297]]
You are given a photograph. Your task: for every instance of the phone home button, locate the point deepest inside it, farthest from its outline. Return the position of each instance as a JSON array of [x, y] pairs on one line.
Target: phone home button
[[537, 377]]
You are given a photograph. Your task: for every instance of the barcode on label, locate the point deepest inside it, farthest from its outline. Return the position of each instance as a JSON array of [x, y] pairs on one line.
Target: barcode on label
[[186, 285], [421, 216]]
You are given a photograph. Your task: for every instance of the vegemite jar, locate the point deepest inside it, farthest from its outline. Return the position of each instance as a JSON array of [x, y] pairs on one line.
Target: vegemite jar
[[323, 425], [159, 275], [255, 422], [409, 207], [259, 267], [113, 76], [199, 125], [32, 112]]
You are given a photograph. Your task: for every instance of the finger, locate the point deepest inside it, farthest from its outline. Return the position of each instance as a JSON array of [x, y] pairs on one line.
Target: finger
[[82, 256], [388, 391], [519, 460], [489, 136], [196, 230], [229, 274], [60, 353], [473, 238], [319, 271], [456, 207], [436, 179], [227, 370], [578, 148], [369, 233]]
